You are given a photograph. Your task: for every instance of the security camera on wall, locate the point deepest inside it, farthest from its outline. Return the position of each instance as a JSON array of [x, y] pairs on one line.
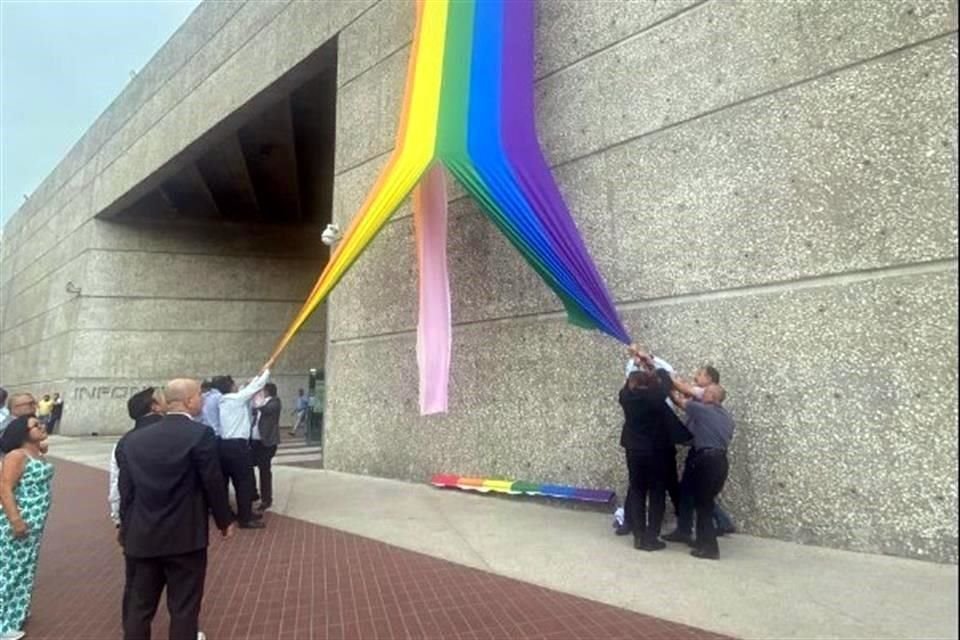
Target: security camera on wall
[[330, 235]]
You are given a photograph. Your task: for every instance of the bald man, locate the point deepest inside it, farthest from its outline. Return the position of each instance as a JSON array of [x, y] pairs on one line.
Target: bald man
[[20, 404], [169, 480], [712, 428]]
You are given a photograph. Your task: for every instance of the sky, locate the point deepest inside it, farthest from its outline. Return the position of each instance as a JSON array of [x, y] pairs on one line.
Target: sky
[[61, 64]]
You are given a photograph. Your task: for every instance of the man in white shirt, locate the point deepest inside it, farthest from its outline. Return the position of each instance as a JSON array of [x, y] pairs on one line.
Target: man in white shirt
[[235, 456], [210, 415]]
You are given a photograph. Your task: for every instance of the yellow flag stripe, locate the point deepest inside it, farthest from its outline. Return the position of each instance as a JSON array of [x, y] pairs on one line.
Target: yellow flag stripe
[[412, 156]]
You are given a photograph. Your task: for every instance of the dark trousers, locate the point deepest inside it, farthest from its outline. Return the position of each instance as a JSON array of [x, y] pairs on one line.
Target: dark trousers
[[671, 484], [647, 481], [237, 464], [182, 575], [262, 457], [708, 474], [672, 480], [685, 513], [686, 508]]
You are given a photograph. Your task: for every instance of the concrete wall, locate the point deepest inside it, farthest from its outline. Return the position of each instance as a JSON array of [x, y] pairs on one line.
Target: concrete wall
[[206, 300], [156, 313], [769, 186], [158, 302]]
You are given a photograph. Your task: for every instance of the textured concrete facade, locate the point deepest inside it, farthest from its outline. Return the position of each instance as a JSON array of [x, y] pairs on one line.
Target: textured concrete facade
[[768, 186]]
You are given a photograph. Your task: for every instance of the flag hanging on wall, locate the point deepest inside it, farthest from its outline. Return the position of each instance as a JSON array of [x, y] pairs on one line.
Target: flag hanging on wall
[[468, 108]]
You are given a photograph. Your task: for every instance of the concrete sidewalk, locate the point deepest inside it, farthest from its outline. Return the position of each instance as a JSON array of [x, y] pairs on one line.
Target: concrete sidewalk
[[760, 589]]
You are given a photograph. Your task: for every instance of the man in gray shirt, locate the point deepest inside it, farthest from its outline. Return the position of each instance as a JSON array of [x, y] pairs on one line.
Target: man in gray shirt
[[712, 429], [708, 422]]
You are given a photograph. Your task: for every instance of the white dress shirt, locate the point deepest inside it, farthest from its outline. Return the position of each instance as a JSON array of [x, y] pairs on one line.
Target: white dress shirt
[[5, 419], [210, 415], [113, 495], [660, 363], [258, 401], [235, 409]]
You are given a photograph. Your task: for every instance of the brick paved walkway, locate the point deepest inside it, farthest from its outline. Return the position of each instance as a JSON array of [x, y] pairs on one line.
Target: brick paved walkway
[[300, 581]]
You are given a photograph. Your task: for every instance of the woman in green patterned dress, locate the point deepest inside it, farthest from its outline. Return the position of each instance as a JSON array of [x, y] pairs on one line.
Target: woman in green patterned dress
[[25, 496]]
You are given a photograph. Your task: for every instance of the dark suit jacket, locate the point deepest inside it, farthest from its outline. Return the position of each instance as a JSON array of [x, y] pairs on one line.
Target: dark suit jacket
[[170, 480], [147, 420], [679, 433], [645, 425], [269, 425]]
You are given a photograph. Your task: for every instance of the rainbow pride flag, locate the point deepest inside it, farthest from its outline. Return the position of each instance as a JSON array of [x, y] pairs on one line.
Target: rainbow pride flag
[[468, 107], [517, 487]]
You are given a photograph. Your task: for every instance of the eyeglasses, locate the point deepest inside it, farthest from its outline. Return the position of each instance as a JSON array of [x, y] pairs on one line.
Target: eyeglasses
[[26, 403]]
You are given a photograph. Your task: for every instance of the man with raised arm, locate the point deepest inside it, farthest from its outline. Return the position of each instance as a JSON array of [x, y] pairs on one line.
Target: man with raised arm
[[236, 425], [712, 428]]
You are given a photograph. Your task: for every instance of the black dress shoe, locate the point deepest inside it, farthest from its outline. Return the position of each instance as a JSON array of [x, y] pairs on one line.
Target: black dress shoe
[[265, 505], [703, 554], [623, 530], [676, 536], [652, 545], [256, 516], [253, 524]]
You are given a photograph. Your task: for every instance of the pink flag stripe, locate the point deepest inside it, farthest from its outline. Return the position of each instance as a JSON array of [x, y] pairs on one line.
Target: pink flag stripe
[[433, 325]]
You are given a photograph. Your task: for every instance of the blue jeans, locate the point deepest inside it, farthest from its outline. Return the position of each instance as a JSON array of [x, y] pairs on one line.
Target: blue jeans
[[722, 520]]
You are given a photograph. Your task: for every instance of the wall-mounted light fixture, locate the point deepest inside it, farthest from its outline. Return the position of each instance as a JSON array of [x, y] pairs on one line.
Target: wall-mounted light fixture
[[73, 289], [330, 235]]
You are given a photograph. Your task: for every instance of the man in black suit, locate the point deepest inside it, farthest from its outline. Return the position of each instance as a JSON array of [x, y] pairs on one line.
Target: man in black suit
[[170, 480], [646, 438], [265, 437]]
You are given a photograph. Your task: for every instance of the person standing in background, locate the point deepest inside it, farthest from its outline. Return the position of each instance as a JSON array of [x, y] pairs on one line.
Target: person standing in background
[[25, 496], [44, 409], [56, 413], [300, 412], [19, 405], [264, 441]]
